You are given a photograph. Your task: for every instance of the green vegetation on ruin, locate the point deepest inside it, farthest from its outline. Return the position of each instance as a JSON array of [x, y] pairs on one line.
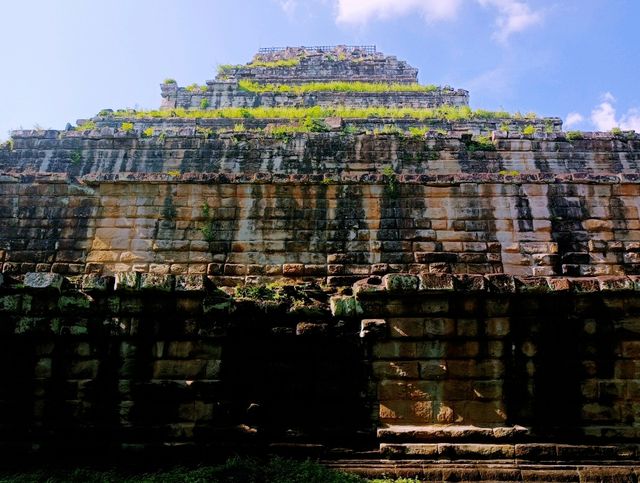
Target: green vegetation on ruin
[[449, 113], [236, 469], [86, 126], [169, 81], [196, 88], [574, 135], [127, 126], [335, 86], [224, 69]]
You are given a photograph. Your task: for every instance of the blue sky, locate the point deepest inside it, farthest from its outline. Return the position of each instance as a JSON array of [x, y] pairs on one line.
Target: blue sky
[[576, 59]]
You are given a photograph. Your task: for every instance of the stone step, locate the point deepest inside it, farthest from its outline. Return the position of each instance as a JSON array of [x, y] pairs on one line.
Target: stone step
[[485, 472], [516, 453], [439, 433]]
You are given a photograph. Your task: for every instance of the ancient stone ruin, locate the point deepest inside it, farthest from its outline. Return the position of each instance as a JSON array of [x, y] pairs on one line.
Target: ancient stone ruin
[[315, 254]]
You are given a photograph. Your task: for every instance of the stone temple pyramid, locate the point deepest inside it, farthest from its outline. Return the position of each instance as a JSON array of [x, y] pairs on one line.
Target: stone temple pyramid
[[313, 252]]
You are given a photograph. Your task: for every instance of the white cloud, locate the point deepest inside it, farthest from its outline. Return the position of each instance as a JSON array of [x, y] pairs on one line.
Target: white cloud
[[288, 6], [573, 118], [362, 11], [604, 116], [512, 15]]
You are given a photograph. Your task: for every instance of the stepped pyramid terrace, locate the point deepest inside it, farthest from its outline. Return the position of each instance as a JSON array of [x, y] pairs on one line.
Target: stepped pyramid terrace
[[315, 254]]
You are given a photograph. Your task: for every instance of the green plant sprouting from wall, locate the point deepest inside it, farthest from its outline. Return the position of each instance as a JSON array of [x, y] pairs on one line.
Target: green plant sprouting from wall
[[334, 86], [8, 145], [86, 126], [76, 157], [225, 69], [208, 228], [169, 81], [478, 143], [169, 211], [196, 88], [574, 135], [529, 130], [204, 103], [127, 126], [391, 184], [418, 132]]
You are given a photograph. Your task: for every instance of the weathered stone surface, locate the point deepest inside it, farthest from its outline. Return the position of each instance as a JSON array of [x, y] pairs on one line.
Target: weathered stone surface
[[483, 290], [158, 283], [96, 282], [401, 282], [43, 280], [190, 283], [345, 306], [373, 328], [127, 281]]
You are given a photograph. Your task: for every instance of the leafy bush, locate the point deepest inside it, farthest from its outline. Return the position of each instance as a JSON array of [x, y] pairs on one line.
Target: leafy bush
[[315, 125], [418, 132], [206, 132], [529, 130], [7, 145], [87, 126], [147, 133], [169, 81], [574, 135], [479, 143], [616, 131], [127, 126], [204, 103]]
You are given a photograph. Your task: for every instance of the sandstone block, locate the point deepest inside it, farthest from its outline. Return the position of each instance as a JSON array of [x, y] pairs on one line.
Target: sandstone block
[[345, 306], [373, 328], [401, 283], [406, 327], [396, 370], [37, 280], [180, 369]]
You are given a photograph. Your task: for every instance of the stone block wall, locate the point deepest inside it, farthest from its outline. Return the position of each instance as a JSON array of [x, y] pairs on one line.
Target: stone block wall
[[319, 206], [529, 369], [227, 94], [93, 366], [447, 368], [317, 68]]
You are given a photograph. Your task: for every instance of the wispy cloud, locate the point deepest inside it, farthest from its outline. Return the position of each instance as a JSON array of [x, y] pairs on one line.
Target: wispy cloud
[[513, 16], [573, 118], [288, 6], [363, 11]]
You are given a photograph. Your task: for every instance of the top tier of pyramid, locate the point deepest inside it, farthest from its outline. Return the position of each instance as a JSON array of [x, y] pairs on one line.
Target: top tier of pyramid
[[352, 76]]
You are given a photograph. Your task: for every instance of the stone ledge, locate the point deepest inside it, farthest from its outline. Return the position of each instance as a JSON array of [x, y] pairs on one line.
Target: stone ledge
[[440, 433], [499, 284], [535, 452], [348, 178], [487, 472], [14, 176]]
